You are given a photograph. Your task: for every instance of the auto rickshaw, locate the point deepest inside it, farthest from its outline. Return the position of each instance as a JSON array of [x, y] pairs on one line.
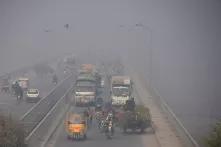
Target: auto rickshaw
[[76, 126]]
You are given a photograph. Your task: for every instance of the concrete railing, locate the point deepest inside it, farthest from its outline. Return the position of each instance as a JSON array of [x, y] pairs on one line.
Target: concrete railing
[[184, 134]]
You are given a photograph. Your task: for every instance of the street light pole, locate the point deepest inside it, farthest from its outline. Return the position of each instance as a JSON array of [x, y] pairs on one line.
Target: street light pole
[[140, 25], [151, 49]]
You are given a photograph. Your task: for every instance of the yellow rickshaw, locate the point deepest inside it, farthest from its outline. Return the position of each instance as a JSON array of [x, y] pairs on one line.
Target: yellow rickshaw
[[76, 126]]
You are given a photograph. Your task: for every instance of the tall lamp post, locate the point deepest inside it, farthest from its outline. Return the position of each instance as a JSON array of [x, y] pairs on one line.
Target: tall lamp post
[[140, 25]]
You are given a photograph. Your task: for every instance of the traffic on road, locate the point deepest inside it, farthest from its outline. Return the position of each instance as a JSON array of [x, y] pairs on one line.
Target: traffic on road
[[127, 73]]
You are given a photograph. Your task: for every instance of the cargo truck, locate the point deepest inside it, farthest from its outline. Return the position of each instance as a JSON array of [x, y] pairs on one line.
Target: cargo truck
[[121, 90], [85, 90]]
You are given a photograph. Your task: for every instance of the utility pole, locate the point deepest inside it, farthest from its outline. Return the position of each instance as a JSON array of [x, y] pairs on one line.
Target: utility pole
[[140, 25]]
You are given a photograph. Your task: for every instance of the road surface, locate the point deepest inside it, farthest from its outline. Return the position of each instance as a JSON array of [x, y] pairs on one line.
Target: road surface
[[96, 139], [164, 136], [9, 104]]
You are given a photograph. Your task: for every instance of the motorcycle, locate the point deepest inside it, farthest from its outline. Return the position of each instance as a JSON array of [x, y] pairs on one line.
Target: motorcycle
[[109, 132], [17, 91], [55, 82]]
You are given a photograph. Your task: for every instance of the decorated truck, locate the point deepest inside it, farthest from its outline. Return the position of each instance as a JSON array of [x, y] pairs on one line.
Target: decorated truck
[[91, 69], [121, 90], [85, 89]]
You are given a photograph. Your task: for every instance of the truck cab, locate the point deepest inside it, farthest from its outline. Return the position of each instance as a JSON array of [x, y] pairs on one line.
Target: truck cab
[[85, 90], [121, 88]]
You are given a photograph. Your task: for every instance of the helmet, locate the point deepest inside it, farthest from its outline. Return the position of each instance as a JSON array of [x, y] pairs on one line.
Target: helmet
[[110, 115]]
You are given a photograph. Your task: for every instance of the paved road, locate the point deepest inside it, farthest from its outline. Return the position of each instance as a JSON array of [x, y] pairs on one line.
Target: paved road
[[165, 132], [9, 104], [95, 138]]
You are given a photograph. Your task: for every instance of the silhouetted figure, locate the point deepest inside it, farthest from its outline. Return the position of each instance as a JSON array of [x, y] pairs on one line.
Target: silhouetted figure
[[130, 105]]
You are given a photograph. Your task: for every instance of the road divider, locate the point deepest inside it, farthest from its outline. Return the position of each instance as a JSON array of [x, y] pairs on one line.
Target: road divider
[[45, 128], [181, 131], [180, 128], [36, 114]]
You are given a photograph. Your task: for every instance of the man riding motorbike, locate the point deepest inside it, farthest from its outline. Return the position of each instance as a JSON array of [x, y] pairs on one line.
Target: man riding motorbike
[[18, 90], [90, 112], [130, 105], [55, 79], [109, 126]]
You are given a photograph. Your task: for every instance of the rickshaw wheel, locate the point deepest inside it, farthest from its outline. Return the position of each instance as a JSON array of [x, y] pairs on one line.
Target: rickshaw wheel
[[68, 137], [85, 137]]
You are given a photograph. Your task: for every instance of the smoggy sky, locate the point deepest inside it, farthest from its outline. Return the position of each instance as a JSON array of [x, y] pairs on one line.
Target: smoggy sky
[[185, 46], [32, 30]]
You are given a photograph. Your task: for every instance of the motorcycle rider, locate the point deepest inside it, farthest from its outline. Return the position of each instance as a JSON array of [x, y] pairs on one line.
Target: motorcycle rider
[[18, 90], [130, 105], [65, 71], [109, 123], [109, 109], [90, 112], [55, 79]]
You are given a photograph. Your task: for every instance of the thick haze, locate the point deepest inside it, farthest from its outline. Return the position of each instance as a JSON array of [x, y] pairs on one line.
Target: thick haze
[[186, 43]]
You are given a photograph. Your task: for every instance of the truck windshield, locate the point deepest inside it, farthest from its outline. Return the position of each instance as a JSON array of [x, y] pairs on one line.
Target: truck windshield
[[86, 83], [120, 91], [85, 89], [76, 120]]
